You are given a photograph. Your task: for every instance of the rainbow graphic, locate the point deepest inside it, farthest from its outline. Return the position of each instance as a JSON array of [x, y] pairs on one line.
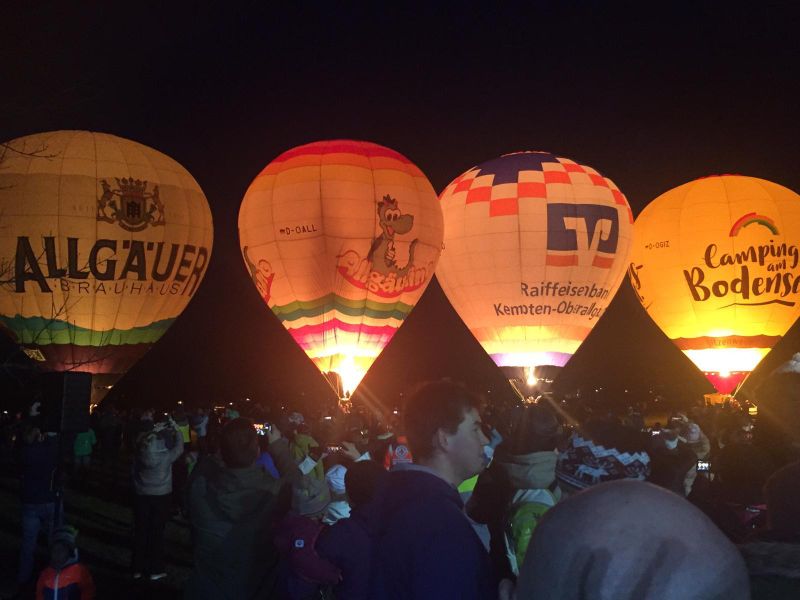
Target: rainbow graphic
[[751, 218]]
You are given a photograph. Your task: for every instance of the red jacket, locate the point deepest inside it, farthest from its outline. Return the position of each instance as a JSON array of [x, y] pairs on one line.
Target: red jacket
[[73, 582]]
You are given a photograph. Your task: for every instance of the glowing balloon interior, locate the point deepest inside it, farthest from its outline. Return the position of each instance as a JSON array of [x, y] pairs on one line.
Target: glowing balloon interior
[[715, 264], [536, 247], [341, 238], [103, 243]]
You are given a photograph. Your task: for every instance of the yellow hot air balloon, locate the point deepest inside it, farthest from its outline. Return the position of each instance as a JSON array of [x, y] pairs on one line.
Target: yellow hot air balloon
[[715, 264], [535, 249], [341, 238], [103, 242]]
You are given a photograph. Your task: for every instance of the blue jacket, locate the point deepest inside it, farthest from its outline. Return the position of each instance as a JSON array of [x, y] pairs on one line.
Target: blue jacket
[[423, 545], [38, 462], [346, 544]]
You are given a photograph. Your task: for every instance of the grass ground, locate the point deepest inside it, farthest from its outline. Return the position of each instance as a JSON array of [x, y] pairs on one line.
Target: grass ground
[[100, 508]]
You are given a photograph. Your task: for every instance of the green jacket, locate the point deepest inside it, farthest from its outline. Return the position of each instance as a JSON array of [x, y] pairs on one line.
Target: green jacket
[[84, 442], [232, 512]]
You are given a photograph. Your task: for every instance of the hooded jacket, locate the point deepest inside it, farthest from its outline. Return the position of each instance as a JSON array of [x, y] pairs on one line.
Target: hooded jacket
[[152, 469], [630, 540], [71, 582], [347, 545], [512, 483], [423, 545], [533, 477], [232, 513]]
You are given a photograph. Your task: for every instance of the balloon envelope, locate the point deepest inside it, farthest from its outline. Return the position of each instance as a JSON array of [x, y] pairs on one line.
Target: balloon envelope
[[715, 264], [103, 242], [535, 249], [341, 238]]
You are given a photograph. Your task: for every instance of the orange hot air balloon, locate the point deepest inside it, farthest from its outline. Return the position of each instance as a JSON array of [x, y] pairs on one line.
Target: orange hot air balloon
[[103, 242], [341, 238], [715, 264], [535, 249]]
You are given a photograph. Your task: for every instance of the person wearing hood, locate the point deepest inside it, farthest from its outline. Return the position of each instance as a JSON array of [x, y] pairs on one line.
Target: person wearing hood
[[423, 545], [630, 540], [773, 554], [520, 485], [233, 505], [65, 577], [152, 482]]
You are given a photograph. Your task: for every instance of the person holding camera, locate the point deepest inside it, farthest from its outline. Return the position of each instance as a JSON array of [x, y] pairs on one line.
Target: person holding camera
[[155, 452], [233, 504]]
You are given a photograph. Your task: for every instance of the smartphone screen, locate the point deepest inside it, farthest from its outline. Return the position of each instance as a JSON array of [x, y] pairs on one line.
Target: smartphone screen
[[703, 466]]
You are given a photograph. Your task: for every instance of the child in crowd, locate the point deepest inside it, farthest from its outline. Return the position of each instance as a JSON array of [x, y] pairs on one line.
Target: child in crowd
[[65, 577]]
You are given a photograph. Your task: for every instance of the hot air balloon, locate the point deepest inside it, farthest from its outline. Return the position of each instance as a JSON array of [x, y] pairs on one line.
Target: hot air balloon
[[341, 238], [103, 242], [715, 264], [535, 249]]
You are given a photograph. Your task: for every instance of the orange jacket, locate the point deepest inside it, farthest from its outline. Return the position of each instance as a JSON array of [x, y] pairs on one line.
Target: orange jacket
[[73, 582]]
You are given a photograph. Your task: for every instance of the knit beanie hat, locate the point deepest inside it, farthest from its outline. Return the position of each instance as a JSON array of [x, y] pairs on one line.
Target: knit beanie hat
[[585, 462], [64, 534]]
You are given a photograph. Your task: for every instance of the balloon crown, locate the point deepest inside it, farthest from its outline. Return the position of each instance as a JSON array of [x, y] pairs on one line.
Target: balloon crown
[[129, 185]]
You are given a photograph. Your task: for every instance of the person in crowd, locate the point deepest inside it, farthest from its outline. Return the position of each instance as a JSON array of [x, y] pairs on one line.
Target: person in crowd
[[630, 540], [82, 451], [152, 482], [199, 423], [302, 443], [233, 504], [773, 554], [423, 544], [305, 572], [65, 577], [265, 458], [38, 465], [602, 450], [338, 507], [519, 487], [673, 465], [741, 468], [183, 426], [691, 435], [347, 542]]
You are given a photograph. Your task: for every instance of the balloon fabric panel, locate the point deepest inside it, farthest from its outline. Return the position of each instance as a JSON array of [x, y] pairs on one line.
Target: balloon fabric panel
[[535, 249], [340, 239], [715, 266], [109, 240]]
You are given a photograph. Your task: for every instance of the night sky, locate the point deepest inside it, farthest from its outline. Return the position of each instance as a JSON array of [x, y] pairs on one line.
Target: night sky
[[651, 100]]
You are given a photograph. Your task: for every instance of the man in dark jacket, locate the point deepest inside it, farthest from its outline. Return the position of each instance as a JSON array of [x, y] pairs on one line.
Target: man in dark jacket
[[38, 460], [347, 542], [423, 543], [233, 504]]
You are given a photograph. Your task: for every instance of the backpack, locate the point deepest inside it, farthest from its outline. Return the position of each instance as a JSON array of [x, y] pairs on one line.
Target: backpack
[[523, 517]]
